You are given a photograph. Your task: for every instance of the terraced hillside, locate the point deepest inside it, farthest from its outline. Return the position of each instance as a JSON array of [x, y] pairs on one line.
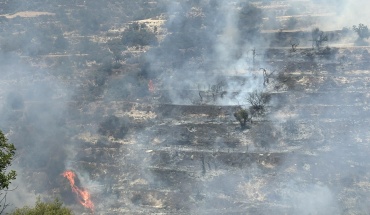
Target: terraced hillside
[[311, 147], [139, 99]]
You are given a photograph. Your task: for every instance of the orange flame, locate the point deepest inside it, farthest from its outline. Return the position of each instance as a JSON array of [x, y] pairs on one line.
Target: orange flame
[[82, 194], [151, 86]]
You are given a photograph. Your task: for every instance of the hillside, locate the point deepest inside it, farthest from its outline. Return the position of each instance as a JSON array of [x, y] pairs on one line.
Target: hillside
[[144, 101]]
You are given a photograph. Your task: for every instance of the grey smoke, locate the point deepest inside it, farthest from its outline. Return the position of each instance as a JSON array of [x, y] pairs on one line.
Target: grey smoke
[[37, 113]]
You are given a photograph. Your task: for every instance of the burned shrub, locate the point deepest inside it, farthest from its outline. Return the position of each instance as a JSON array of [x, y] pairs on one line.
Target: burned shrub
[[327, 52], [258, 101], [309, 55], [212, 92], [114, 126]]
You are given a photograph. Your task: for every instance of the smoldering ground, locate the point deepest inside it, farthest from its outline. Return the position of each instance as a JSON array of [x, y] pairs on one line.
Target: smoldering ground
[[226, 51], [206, 42]]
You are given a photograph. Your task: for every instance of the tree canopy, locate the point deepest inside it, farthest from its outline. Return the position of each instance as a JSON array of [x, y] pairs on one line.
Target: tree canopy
[[362, 31], [7, 151], [44, 208]]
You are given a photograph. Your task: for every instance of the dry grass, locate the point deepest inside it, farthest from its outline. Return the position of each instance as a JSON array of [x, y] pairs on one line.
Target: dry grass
[[28, 14]]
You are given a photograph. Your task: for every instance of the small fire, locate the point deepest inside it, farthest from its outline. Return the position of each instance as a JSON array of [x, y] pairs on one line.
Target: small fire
[[82, 194], [151, 86]]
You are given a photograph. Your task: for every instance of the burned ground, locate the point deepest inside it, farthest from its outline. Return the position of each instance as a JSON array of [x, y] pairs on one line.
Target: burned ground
[[150, 127]]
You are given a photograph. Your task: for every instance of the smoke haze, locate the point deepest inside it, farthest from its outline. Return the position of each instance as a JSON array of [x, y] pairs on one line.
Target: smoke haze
[[138, 98]]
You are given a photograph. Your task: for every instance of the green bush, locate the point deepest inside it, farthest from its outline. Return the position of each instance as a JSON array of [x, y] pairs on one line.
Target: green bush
[[44, 208], [242, 116]]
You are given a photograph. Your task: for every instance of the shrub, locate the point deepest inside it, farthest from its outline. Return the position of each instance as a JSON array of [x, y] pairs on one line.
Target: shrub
[[44, 208], [258, 101], [242, 116]]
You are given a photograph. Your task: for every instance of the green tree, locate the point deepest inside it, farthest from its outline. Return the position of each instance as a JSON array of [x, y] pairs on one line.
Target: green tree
[[7, 151], [242, 116], [44, 208]]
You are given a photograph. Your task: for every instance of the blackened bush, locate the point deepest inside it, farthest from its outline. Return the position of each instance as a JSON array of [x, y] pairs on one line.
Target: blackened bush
[[258, 101], [114, 126], [138, 36]]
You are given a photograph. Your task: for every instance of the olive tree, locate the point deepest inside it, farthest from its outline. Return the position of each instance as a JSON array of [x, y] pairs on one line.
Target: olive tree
[[7, 152], [362, 31], [242, 116]]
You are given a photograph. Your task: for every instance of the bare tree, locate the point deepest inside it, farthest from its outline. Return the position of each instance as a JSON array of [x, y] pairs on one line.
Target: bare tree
[[266, 76], [200, 93], [212, 92], [217, 90], [294, 43], [318, 38], [3, 203]]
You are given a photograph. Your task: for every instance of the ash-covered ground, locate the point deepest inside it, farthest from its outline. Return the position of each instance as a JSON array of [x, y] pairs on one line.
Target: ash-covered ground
[[141, 100]]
